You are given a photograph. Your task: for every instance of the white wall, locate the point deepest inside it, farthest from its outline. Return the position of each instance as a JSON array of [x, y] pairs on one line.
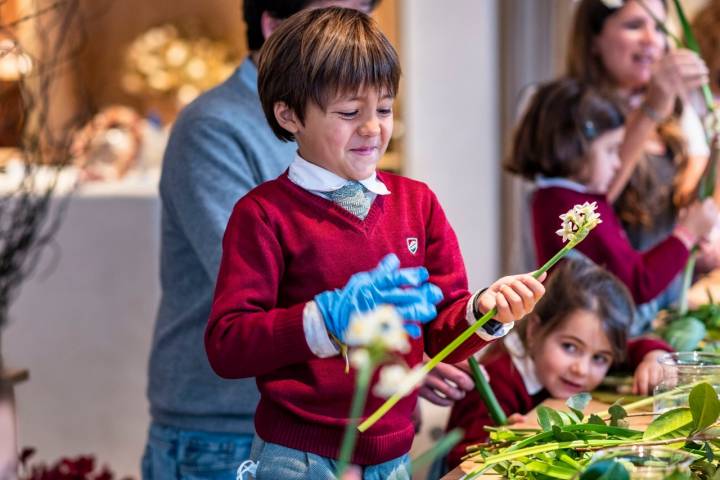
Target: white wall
[[451, 109], [452, 141]]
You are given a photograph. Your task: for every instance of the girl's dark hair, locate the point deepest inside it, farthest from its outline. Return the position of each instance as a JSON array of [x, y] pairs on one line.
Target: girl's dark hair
[[580, 284], [582, 61], [642, 199], [554, 135]]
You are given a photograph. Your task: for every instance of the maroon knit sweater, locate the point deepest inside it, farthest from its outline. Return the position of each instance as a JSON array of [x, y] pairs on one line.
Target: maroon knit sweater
[[645, 274], [283, 245], [472, 415]]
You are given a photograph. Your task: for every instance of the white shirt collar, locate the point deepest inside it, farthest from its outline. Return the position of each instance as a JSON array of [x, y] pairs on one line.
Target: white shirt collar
[[547, 182], [524, 364], [315, 178]]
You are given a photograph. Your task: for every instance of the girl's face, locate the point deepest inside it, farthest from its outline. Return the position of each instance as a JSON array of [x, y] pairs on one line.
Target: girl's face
[[573, 358], [630, 43], [604, 160]]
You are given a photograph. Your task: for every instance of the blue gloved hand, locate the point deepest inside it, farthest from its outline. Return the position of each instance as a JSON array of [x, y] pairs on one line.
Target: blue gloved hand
[[382, 285]]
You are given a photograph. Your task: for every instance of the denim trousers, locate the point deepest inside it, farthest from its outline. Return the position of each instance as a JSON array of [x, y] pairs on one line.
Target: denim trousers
[[270, 461], [175, 454]]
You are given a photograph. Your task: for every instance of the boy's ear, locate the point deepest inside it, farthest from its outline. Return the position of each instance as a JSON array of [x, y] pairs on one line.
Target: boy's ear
[[286, 117]]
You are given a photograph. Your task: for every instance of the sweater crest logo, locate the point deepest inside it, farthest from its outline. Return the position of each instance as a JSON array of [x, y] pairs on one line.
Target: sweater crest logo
[[412, 244]]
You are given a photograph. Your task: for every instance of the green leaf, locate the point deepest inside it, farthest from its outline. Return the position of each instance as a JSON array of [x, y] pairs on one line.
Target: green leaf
[[693, 45], [547, 417], [685, 333], [595, 420], [554, 471], [562, 436], [704, 405], [617, 413], [668, 422], [579, 401], [609, 469], [709, 454]]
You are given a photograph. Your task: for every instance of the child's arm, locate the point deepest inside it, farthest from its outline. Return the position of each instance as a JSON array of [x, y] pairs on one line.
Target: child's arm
[[643, 353], [514, 296], [248, 335]]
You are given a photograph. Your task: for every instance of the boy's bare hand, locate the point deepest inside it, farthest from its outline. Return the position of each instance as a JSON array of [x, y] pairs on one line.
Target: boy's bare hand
[[648, 373], [514, 296]]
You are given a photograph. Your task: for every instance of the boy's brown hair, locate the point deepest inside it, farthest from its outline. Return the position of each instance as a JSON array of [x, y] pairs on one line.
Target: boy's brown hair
[[554, 135], [317, 54]]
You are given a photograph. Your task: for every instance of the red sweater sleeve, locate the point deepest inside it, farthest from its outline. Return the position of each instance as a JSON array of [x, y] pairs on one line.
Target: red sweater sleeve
[[247, 334], [645, 274], [638, 347], [447, 270]]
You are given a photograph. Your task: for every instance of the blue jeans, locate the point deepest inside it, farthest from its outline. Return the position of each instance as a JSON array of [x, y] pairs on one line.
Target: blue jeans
[[175, 454], [275, 462]]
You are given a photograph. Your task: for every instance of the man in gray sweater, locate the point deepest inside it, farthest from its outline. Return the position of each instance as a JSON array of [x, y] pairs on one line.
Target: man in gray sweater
[[220, 148]]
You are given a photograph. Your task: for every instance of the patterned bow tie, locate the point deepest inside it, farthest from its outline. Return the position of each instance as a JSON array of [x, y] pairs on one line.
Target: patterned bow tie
[[352, 198]]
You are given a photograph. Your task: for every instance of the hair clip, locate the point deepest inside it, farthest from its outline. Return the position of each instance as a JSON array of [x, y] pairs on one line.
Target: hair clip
[[589, 130]]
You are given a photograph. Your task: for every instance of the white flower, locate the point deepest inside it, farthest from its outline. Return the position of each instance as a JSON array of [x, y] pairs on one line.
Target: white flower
[[397, 379], [380, 327], [578, 222], [359, 358], [613, 3]]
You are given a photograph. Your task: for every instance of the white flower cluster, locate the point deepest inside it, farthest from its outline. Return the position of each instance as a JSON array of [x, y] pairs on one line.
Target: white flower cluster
[[382, 327], [578, 222], [371, 335], [398, 379]]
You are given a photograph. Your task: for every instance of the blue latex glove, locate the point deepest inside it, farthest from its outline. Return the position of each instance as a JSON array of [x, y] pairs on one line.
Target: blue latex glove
[[382, 285]]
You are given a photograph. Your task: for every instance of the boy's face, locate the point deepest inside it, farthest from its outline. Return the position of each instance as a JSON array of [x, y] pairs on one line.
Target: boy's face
[[350, 136]]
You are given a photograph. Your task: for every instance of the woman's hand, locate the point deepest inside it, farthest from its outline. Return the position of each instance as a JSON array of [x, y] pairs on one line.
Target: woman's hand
[[677, 73], [648, 373]]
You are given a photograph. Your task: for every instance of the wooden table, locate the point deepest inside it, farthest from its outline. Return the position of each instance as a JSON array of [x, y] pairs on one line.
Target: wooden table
[[8, 422], [698, 292], [638, 423]]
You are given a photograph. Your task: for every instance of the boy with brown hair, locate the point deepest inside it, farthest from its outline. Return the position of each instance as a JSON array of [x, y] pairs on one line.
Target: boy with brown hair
[[288, 286]]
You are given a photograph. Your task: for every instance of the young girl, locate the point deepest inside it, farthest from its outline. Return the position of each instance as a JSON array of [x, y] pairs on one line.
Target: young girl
[[568, 142], [566, 346]]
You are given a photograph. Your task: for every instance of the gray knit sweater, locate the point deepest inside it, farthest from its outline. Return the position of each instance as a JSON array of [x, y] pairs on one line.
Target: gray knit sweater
[[219, 149]]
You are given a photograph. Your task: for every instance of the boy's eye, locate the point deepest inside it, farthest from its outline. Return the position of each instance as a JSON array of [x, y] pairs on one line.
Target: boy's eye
[[569, 347], [348, 114], [385, 111]]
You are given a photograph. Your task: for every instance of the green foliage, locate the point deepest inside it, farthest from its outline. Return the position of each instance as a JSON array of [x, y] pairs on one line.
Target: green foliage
[[685, 333], [704, 406], [564, 445], [667, 423]]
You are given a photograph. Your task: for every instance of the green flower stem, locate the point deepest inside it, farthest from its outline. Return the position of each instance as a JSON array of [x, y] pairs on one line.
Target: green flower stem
[[660, 24], [440, 449], [630, 407], [358, 402], [486, 393], [390, 402], [687, 281]]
